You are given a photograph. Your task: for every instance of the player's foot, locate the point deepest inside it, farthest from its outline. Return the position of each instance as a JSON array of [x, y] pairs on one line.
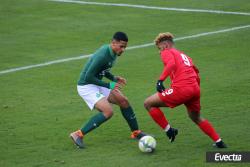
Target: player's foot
[[220, 144], [137, 134], [171, 133], [77, 138]]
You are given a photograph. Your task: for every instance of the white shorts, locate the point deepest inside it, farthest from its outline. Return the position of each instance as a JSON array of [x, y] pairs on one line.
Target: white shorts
[[91, 94]]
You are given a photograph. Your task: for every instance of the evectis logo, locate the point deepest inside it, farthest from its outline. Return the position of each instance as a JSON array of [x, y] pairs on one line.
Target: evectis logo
[[230, 157]]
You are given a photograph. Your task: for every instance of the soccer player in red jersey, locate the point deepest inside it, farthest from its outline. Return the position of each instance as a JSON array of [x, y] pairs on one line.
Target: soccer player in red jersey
[[184, 89]]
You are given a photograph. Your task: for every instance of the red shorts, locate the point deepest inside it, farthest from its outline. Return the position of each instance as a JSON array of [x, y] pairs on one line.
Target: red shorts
[[189, 96]]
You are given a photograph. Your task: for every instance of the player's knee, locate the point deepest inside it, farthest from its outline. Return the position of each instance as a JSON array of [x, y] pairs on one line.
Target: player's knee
[[123, 103], [195, 118], [108, 113], [198, 120], [147, 104]]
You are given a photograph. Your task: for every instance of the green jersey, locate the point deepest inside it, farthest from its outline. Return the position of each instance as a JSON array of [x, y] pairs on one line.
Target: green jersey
[[98, 65]]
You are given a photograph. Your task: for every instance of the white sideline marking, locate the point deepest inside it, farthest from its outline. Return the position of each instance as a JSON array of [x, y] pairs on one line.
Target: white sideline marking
[[153, 7], [129, 48]]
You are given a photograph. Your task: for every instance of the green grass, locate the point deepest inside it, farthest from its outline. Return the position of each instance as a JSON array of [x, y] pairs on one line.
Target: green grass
[[39, 107]]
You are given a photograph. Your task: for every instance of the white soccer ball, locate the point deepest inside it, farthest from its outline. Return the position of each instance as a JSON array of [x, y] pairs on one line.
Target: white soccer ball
[[147, 144]]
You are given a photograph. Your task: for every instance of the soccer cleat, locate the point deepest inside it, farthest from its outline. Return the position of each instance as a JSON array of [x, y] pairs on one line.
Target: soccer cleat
[[220, 144], [171, 133], [137, 134], [77, 138]]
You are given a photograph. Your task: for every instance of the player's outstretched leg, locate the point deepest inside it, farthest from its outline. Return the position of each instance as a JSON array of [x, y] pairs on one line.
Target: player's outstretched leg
[[207, 128], [93, 123], [105, 113]]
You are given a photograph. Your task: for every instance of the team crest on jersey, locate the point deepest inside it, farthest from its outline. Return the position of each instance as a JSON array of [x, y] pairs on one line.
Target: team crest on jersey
[[98, 95]]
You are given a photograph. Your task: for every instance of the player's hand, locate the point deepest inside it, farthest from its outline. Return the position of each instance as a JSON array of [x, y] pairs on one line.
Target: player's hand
[[121, 80], [159, 86], [115, 85]]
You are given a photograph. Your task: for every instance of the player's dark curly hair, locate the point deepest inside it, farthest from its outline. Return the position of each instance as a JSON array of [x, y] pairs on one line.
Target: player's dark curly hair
[[120, 36]]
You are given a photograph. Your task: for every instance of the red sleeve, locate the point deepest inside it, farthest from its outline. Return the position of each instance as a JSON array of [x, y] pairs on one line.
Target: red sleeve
[[169, 64]]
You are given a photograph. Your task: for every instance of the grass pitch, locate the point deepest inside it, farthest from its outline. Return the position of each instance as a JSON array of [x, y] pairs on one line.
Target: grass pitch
[[39, 107]]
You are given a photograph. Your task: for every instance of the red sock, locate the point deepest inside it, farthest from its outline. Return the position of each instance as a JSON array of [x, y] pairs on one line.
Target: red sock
[[207, 128], [158, 117]]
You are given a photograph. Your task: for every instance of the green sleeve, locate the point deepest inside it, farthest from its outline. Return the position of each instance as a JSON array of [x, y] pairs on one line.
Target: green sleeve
[[94, 68], [110, 76]]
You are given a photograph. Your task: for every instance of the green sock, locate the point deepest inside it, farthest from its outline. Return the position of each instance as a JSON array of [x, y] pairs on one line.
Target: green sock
[[129, 116], [93, 123]]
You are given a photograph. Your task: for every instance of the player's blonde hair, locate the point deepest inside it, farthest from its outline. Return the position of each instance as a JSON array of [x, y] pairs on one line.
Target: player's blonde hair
[[167, 36]]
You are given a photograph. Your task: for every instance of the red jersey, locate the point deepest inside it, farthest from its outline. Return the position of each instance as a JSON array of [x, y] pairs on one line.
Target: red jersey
[[179, 67]]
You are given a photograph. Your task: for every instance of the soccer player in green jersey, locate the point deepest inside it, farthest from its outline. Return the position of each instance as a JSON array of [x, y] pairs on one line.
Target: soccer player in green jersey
[[101, 95]]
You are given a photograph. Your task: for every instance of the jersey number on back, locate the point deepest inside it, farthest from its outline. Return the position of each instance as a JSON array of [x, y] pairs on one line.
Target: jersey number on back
[[185, 59]]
